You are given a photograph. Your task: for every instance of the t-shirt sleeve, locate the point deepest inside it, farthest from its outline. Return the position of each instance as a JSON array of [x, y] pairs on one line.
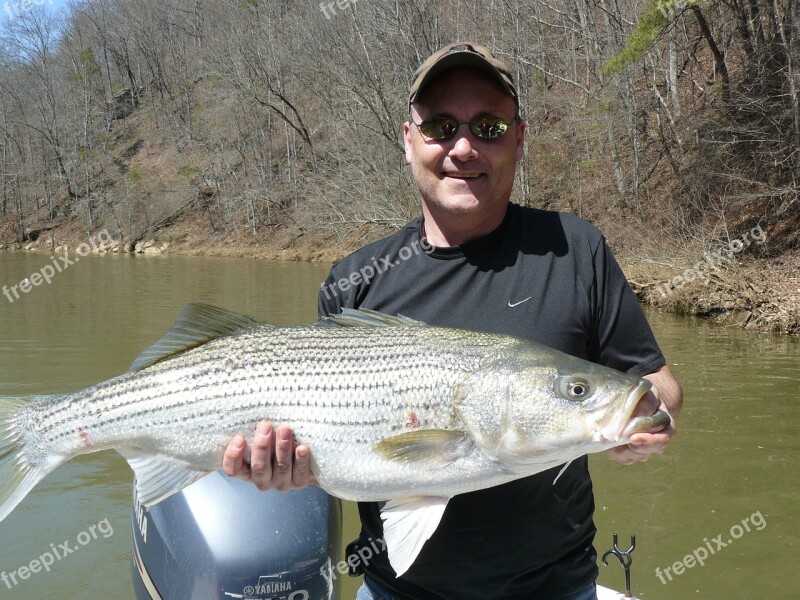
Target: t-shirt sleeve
[[328, 303], [336, 292], [622, 337]]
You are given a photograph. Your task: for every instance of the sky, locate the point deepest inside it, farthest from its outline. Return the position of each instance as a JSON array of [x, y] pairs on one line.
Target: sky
[[11, 8]]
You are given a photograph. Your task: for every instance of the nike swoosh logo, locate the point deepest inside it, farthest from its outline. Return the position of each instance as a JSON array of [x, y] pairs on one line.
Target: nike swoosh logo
[[518, 303]]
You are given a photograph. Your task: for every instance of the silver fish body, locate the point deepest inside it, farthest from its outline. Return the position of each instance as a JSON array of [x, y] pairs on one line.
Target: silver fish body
[[391, 409]]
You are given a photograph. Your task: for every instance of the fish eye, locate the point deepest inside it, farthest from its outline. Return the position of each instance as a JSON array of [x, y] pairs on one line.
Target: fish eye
[[578, 388], [575, 387]]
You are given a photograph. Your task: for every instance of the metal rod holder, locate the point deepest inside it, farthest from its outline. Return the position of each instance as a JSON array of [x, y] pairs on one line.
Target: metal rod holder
[[624, 557]]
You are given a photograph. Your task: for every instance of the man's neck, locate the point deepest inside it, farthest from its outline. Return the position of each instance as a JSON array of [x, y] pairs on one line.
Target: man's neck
[[448, 230]]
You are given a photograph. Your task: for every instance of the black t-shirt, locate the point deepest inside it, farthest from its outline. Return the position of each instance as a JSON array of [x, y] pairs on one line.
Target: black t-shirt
[[545, 276]]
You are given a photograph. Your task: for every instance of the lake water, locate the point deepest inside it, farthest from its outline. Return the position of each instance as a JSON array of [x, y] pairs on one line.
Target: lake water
[[731, 477]]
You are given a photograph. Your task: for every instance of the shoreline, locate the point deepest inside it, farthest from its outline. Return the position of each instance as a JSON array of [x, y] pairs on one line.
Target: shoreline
[[755, 294]]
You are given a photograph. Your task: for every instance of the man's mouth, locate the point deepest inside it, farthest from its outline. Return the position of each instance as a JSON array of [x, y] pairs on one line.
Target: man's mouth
[[461, 175]]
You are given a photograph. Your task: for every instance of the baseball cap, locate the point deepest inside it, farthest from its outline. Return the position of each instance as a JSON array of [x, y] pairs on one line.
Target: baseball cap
[[462, 54]]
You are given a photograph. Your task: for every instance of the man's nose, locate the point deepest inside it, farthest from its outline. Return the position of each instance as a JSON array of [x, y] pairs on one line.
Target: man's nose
[[463, 148]]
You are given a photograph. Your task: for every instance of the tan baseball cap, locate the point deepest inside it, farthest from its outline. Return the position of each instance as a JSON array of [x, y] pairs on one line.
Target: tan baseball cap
[[462, 54]]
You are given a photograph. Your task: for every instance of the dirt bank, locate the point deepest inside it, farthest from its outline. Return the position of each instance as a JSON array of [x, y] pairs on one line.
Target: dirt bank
[[759, 294]]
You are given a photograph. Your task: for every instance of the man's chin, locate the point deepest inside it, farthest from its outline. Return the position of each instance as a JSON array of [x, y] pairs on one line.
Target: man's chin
[[464, 203]]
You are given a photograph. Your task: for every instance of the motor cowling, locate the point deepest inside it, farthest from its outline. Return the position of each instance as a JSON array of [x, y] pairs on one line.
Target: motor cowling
[[222, 538]]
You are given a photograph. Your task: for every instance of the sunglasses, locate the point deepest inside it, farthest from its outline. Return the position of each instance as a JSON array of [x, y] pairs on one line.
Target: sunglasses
[[443, 128]]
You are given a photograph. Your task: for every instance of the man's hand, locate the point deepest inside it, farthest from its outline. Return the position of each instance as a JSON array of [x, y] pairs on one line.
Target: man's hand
[[275, 461], [665, 395]]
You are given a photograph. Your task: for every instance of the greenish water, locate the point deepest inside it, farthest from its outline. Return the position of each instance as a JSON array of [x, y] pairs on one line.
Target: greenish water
[[736, 456]]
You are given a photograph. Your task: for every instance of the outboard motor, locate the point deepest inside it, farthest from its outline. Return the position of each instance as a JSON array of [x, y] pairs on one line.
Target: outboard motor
[[222, 538]]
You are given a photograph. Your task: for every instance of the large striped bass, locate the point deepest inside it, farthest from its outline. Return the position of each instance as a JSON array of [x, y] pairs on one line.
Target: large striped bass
[[391, 408]]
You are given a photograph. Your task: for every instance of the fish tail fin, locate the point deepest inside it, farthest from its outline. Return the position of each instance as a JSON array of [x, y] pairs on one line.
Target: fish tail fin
[[18, 473]]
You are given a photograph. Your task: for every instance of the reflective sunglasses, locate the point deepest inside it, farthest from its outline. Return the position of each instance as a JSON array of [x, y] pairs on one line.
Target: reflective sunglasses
[[443, 128]]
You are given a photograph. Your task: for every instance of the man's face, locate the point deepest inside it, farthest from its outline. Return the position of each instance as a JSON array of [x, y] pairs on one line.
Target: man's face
[[464, 174]]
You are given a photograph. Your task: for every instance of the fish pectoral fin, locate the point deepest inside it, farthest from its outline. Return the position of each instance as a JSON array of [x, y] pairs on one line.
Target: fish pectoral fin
[[407, 524], [440, 446], [159, 477], [196, 324]]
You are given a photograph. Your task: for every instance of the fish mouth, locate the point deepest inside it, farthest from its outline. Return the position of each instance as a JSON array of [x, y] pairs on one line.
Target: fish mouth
[[618, 429], [656, 422]]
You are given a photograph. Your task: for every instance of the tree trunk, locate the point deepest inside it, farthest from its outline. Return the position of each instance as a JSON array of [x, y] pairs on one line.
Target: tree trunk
[[719, 59]]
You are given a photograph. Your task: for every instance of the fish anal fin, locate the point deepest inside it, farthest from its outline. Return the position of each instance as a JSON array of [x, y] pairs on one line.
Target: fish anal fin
[[439, 446], [196, 324], [159, 477], [407, 524]]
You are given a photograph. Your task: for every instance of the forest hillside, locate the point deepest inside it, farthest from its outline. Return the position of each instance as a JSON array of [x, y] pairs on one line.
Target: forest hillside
[[272, 128]]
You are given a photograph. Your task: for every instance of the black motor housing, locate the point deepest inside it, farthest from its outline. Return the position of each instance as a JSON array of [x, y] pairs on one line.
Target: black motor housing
[[222, 538]]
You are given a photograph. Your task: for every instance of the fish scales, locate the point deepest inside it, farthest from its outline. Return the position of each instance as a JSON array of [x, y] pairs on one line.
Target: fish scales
[[291, 378], [392, 409]]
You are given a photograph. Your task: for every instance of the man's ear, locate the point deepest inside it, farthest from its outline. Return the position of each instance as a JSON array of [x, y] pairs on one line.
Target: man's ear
[[407, 141], [523, 127]]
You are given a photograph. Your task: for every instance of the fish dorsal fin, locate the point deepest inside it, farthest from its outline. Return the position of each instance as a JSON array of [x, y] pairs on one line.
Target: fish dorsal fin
[[407, 524], [158, 477], [364, 317], [196, 324]]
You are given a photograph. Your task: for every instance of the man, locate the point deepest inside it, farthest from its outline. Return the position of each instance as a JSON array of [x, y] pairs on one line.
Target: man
[[493, 266]]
